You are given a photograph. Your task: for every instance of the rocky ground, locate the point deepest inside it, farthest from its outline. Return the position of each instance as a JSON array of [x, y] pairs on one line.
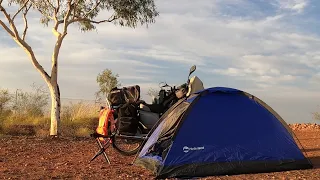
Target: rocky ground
[[67, 158], [304, 127]]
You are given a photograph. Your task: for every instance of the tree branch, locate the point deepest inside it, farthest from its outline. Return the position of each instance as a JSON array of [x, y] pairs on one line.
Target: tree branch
[[51, 5], [34, 61], [107, 20], [97, 4], [25, 27], [65, 19], [24, 5], [65, 26], [35, 5], [54, 69], [85, 17], [25, 23], [56, 11], [56, 24], [74, 9], [55, 29], [22, 43], [6, 28], [92, 21], [58, 6], [13, 27]]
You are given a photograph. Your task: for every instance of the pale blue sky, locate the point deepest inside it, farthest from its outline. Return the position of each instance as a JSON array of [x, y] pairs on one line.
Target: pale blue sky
[[269, 48]]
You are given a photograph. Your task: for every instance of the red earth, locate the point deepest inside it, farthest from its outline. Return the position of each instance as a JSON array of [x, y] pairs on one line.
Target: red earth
[[23, 157]]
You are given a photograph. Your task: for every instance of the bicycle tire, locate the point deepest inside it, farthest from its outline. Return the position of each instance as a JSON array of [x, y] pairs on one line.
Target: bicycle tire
[[126, 152]]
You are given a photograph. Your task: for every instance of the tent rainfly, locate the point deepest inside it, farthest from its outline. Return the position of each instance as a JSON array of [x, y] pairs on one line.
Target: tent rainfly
[[220, 131]]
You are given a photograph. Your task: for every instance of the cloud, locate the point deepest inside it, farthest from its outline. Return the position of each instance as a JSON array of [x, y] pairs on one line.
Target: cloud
[[258, 69], [161, 53], [293, 5]]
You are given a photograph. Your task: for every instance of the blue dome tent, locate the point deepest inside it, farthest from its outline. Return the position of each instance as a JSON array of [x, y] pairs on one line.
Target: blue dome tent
[[220, 131]]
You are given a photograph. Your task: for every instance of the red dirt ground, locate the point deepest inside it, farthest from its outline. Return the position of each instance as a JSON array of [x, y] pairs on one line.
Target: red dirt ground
[[67, 158]]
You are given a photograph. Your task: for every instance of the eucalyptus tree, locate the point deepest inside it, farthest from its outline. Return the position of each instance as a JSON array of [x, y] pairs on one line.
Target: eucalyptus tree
[[60, 14]]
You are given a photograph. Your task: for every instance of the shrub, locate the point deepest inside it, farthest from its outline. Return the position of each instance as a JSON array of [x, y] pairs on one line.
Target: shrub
[[22, 114], [32, 103], [316, 115], [5, 98], [76, 117]]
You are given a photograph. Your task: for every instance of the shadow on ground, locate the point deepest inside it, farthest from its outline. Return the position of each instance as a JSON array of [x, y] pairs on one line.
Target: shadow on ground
[[315, 161], [311, 150]]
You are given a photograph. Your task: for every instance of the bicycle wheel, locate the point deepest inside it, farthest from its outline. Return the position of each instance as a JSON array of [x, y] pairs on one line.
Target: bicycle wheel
[[126, 144]]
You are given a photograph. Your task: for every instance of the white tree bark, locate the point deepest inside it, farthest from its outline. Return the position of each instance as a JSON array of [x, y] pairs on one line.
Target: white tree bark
[[54, 87], [55, 109]]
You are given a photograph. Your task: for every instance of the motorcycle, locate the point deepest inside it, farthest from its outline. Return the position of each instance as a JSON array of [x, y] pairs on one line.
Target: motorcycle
[[148, 114]]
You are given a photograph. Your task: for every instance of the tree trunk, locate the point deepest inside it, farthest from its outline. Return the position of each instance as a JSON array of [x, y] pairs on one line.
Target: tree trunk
[[54, 89], [55, 109]]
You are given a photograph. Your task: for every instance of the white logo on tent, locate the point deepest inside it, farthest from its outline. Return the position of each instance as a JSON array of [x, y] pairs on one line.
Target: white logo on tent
[[187, 149]]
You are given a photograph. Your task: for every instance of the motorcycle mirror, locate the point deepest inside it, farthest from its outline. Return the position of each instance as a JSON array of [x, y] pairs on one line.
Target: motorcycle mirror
[[192, 69], [162, 84]]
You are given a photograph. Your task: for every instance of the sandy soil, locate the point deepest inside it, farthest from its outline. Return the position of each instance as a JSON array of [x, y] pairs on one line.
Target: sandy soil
[[67, 158]]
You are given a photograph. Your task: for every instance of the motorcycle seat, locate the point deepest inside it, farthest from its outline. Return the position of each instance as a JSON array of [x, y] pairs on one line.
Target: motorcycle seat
[[155, 108]]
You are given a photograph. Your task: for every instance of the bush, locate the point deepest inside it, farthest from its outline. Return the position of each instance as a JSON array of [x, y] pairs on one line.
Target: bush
[[76, 117], [5, 98], [20, 115], [32, 103], [316, 115]]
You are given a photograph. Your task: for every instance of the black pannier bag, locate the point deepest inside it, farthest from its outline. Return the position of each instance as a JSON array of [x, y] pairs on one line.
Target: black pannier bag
[[131, 93], [116, 97], [124, 95], [127, 119]]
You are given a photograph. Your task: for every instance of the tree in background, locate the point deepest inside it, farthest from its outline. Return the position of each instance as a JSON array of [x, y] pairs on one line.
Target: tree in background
[[33, 103], [106, 80], [316, 115], [60, 14], [5, 98]]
